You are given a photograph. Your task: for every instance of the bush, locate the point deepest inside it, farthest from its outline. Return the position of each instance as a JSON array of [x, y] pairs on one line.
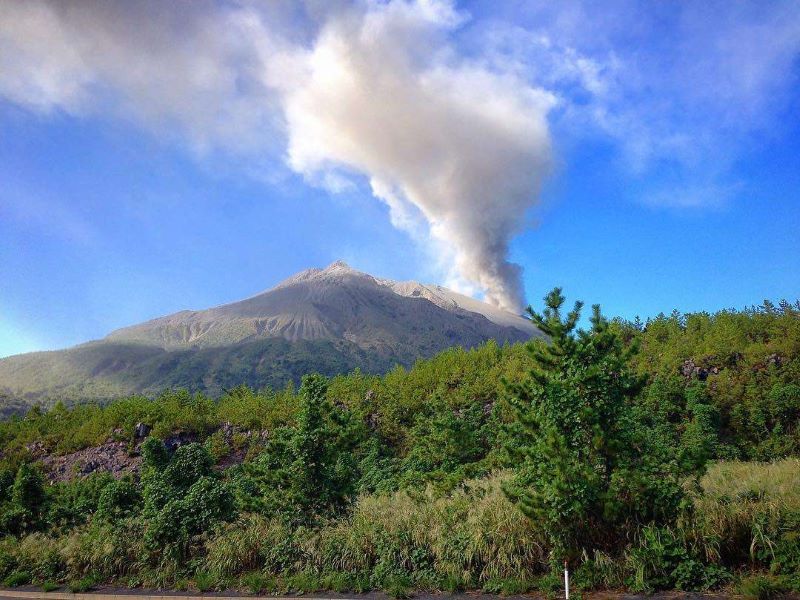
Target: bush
[[50, 586], [762, 587], [507, 586], [8, 557], [154, 454], [185, 499], [398, 586], [252, 542], [661, 561], [205, 581], [258, 583], [82, 585], [118, 500], [17, 578]]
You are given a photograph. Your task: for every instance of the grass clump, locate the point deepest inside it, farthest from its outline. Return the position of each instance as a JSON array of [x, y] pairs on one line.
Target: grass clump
[[747, 513], [181, 584], [257, 582], [398, 587], [507, 586], [762, 587], [205, 581], [84, 584], [17, 578], [50, 586], [301, 583]]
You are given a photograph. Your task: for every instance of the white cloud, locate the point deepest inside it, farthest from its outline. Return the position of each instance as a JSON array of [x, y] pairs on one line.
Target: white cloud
[[682, 86], [447, 119], [456, 149]]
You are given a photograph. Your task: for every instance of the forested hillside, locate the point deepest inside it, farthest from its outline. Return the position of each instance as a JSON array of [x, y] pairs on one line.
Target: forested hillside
[[463, 471]]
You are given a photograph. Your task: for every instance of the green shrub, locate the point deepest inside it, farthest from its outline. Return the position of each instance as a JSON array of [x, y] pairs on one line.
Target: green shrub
[[257, 583], [50, 586], [762, 587], [508, 586], [786, 559], [8, 557], [118, 500], [188, 465], [82, 585], [661, 561], [17, 578], [205, 581], [184, 500], [154, 454], [304, 582], [397, 586]]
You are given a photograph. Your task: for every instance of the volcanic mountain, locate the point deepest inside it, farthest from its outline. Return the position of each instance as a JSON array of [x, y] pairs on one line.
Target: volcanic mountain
[[328, 320]]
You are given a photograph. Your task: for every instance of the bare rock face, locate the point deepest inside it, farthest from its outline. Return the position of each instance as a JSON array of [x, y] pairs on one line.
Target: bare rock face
[[111, 457], [333, 303], [120, 458], [775, 360], [691, 370]]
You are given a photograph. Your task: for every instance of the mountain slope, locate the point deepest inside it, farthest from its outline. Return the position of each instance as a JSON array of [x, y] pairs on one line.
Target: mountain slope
[[327, 320]]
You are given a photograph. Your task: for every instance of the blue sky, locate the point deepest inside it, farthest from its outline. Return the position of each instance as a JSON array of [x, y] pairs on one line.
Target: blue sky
[[643, 156]]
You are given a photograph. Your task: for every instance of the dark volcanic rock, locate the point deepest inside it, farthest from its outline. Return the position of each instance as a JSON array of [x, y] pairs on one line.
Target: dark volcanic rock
[[112, 457], [142, 430]]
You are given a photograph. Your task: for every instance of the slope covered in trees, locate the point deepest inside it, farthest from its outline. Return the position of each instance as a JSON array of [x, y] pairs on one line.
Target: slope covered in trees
[[415, 479]]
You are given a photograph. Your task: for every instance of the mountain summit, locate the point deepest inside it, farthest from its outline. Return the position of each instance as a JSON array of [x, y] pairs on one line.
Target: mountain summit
[[327, 320], [337, 302]]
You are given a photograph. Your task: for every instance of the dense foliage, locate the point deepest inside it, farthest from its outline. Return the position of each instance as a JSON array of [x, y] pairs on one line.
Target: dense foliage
[[589, 470], [415, 478]]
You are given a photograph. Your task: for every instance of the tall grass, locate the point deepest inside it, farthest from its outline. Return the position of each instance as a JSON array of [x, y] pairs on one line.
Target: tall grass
[[470, 538], [743, 510]]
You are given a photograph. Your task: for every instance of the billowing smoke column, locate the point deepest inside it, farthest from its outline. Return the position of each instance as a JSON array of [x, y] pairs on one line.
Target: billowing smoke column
[[456, 149], [463, 146]]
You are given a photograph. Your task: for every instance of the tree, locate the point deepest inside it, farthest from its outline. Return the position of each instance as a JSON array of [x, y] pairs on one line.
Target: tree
[[182, 498], [587, 470], [118, 500], [322, 471], [307, 470]]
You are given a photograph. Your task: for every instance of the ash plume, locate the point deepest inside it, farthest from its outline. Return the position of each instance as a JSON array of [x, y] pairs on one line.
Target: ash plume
[[457, 148]]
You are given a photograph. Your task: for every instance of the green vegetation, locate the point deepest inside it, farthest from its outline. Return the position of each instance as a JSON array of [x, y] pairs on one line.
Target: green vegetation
[[589, 471], [628, 449]]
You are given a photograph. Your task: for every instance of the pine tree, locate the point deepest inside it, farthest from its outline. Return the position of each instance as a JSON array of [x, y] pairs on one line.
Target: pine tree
[[586, 470]]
